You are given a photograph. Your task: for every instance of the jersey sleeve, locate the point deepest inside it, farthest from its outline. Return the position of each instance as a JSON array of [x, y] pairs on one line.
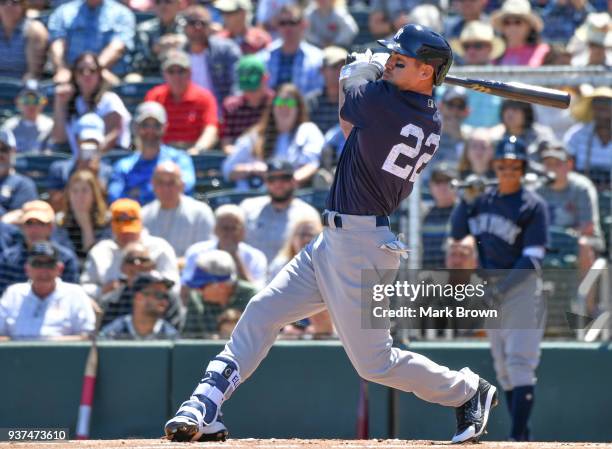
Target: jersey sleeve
[[459, 221], [361, 103]]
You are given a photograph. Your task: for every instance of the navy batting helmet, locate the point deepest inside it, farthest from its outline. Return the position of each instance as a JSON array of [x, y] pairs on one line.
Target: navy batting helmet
[[511, 147], [423, 44]]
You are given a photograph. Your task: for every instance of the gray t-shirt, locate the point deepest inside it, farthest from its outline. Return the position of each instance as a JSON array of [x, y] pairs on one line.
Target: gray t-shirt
[[267, 228], [30, 136]]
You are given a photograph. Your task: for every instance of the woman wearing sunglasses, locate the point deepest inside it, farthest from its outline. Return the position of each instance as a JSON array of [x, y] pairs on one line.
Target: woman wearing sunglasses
[[520, 27], [283, 133]]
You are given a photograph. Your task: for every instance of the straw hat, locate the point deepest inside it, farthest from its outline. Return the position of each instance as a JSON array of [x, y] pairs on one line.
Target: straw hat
[[582, 111], [520, 8], [597, 29], [477, 31]]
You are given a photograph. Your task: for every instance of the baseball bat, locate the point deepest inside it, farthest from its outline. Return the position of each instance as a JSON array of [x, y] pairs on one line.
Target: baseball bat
[[87, 393], [515, 91]]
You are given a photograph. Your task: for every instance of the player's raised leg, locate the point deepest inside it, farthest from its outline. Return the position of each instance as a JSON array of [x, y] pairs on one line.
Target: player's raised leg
[[292, 295]]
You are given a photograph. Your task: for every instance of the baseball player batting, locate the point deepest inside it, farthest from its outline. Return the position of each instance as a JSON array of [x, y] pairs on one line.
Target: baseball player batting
[[510, 227], [393, 127]]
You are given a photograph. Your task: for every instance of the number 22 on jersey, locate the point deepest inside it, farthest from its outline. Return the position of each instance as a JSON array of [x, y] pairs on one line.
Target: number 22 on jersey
[[390, 165]]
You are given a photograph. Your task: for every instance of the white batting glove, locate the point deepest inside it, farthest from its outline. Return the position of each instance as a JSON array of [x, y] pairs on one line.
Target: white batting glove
[[380, 59]]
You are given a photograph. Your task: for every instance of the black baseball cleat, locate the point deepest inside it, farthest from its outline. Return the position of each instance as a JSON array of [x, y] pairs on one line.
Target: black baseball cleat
[[472, 416], [180, 429], [185, 425]]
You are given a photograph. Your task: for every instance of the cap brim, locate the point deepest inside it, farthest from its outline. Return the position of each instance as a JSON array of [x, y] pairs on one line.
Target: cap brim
[[131, 227], [36, 215]]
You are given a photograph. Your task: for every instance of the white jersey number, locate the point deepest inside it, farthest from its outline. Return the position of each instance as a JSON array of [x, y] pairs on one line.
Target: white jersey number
[[390, 165]]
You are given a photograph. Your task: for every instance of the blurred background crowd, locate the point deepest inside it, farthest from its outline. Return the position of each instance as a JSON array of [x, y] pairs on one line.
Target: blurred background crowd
[[160, 161]]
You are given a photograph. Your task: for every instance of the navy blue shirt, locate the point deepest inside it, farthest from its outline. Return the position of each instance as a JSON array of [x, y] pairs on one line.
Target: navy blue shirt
[[61, 171], [9, 236], [395, 133], [503, 225], [15, 190]]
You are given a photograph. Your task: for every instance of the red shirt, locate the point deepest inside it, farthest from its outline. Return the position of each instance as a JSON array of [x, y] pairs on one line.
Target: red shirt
[[187, 117]]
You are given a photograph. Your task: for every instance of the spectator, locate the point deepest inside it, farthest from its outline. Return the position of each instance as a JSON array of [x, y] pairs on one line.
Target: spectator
[[45, 307], [89, 131], [468, 11], [178, 219], [148, 52], [226, 322], [242, 111], [267, 13], [84, 220], [88, 93], [104, 27], [15, 189], [31, 127], [323, 105], [388, 16], [251, 263], [269, 217], [520, 28], [102, 271], [478, 45], [283, 133], [461, 254], [436, 220], [592, 42], [477, 157], [454, 110], [23, 42], [237, 26], [290, 59], [303, 231], [151, 298], [132, 175], [590, 143], [9, 236], [318, 326], [572, 205], [213, 58], [215, 287], [329, 23], [191, 110], [36, 222], [562, 17]]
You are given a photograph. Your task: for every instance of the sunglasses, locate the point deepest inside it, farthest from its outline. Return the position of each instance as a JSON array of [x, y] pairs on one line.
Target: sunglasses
[[274, 178], [31, 100], [289, 22], [460, 106], [197, 23], [42, 263], [511, 21], [475, 45], [176, 71], [34, 223], [164, 2], [155, 126], [160, 296], [124, 219], [84, 71], [10, 2], [136, 260], [286, 102]]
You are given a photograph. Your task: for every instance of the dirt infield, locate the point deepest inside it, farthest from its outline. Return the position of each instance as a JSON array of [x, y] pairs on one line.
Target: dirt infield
[[290, 444]]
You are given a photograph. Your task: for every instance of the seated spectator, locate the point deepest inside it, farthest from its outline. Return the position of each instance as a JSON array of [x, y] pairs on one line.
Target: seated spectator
[[467, 11], [178, 219], [23, 42], [266, 16], [518, 120], [15, 189], [226, 322], [592, 42], [318, 326], [9, 235], [520, 27], [151, 298], [242, 111], [89, 140], [561, 18], [572, 204], [147, 56], [237, 16], [283, 133], [387, 16], [36, 223], [302, 231], [330, 23], [103, 27], [215, 287], [478, 45], [269, 217], [44, 307], [84, 221], [102, 271], [323, 105], [131, 176], [290, 59], [88, 93], [251, 263], [191, 110], [213, 58], [477, 157], [590, 143], [31, 127], [435, 227]]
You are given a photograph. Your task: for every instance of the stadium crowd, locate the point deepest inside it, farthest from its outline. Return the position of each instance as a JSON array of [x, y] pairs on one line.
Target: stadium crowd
[[160, 161]]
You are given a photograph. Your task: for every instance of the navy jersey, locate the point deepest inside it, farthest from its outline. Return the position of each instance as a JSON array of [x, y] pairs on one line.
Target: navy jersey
[[395, 133], [503, 225]]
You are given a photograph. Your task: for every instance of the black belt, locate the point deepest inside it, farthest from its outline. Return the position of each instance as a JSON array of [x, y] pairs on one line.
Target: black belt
[[381, 220]]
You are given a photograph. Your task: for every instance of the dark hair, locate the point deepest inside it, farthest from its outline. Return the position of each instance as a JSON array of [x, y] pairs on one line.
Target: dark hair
[[97, 94], [525, 107]]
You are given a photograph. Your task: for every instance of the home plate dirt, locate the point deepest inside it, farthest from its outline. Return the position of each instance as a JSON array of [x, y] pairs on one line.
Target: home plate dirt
[[290, 444]]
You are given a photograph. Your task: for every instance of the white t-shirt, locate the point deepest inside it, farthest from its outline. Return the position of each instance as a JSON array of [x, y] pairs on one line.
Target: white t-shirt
[[67, 311]]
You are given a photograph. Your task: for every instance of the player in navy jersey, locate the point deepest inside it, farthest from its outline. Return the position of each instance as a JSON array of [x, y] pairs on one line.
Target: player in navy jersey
[[388, 113], [510, 225]]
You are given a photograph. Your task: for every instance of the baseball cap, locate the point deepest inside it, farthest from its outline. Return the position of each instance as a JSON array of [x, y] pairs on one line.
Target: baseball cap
[[151, 109], [554, 150], [443, 172], [90, 126], [178, 58], [210, 267], [454, 93], [125, 215], [32, 87], [143, 280], [333, 55], [250, 71], [233, 5], [37, 210], [43, 248], [278, 166], [8, 138]]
